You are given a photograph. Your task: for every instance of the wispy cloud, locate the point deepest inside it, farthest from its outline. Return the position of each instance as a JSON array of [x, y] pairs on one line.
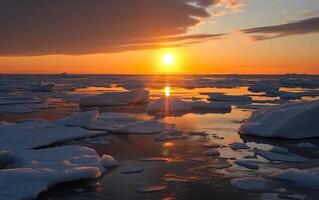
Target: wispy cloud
[[310, 25], [37, 27]]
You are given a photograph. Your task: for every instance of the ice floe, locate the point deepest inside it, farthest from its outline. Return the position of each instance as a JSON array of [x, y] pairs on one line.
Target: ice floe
[[38, 170], [42, 87], [132, 170], [211, 145], [305, 178], [306, 145], [32, 134], [147, 189], [132, 97], [174, 104], [216, 96], [263, 87], [212, 152], [247, 163], [290, 120], [237, 145], [108, 161], [115, 122], [281, 154], [252, 184]]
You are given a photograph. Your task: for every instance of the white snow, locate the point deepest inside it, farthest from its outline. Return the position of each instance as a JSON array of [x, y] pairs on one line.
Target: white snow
[[290, 120], [216, 96], [306, 178], [132, 97], [38, 170], [108, 161], [32, 134], [263, 87]]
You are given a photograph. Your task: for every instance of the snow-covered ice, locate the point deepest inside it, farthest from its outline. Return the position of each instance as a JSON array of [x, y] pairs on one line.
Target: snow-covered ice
[[38, 170], [42, 87], [252, 184], [108, 161], [132, 97], [32, 134], [290, 120]]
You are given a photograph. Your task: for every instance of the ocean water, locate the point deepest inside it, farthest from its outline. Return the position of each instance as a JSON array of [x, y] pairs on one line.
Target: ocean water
[[187, 173]]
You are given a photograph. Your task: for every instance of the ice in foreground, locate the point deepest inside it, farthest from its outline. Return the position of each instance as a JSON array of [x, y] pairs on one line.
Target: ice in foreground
[[16, 137], [290, 120], [132, 97], [38, 170]]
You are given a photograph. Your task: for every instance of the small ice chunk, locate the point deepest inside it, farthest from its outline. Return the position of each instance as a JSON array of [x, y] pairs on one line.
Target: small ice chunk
[[108, 161], [306, 145], [199, 133], [161, 159], [216, 96], [147, 189], [211, 145], [252, 184], [236, 145], [83, 119], [214, 106], [132, 170], [248, 164], [212, 152]]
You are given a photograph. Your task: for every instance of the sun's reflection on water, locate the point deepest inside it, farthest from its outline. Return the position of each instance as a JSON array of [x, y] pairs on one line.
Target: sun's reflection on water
[[167, 91]]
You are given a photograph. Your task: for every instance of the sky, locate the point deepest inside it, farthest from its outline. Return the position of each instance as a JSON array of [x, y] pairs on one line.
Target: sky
[[134, 36]]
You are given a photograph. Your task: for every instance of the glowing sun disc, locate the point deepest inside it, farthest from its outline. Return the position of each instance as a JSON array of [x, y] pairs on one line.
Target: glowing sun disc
[[168, 59]]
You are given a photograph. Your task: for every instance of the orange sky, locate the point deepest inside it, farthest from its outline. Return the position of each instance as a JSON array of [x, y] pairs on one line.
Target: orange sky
[[293, 51]]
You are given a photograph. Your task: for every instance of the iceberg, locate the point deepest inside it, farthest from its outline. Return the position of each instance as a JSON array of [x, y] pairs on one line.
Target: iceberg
[[290, 120], [132, 97]]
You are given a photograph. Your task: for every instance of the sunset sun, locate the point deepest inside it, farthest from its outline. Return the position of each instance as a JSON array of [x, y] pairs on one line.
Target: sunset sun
[[168, 59]]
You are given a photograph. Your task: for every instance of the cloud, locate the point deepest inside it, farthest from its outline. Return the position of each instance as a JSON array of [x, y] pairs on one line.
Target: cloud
[[42, 27], [310, 25]]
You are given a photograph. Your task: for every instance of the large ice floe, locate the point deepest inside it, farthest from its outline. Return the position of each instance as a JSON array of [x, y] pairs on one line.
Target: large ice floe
[[132, 97], [37, 170], [115, 123], [173, 104], [290, 120]]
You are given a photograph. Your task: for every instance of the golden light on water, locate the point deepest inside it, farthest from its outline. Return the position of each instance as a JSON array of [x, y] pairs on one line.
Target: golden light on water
[[167, 91], [168, 144]]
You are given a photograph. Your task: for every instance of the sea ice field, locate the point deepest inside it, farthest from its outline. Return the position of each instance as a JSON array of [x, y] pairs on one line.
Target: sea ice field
[[165, 137]]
